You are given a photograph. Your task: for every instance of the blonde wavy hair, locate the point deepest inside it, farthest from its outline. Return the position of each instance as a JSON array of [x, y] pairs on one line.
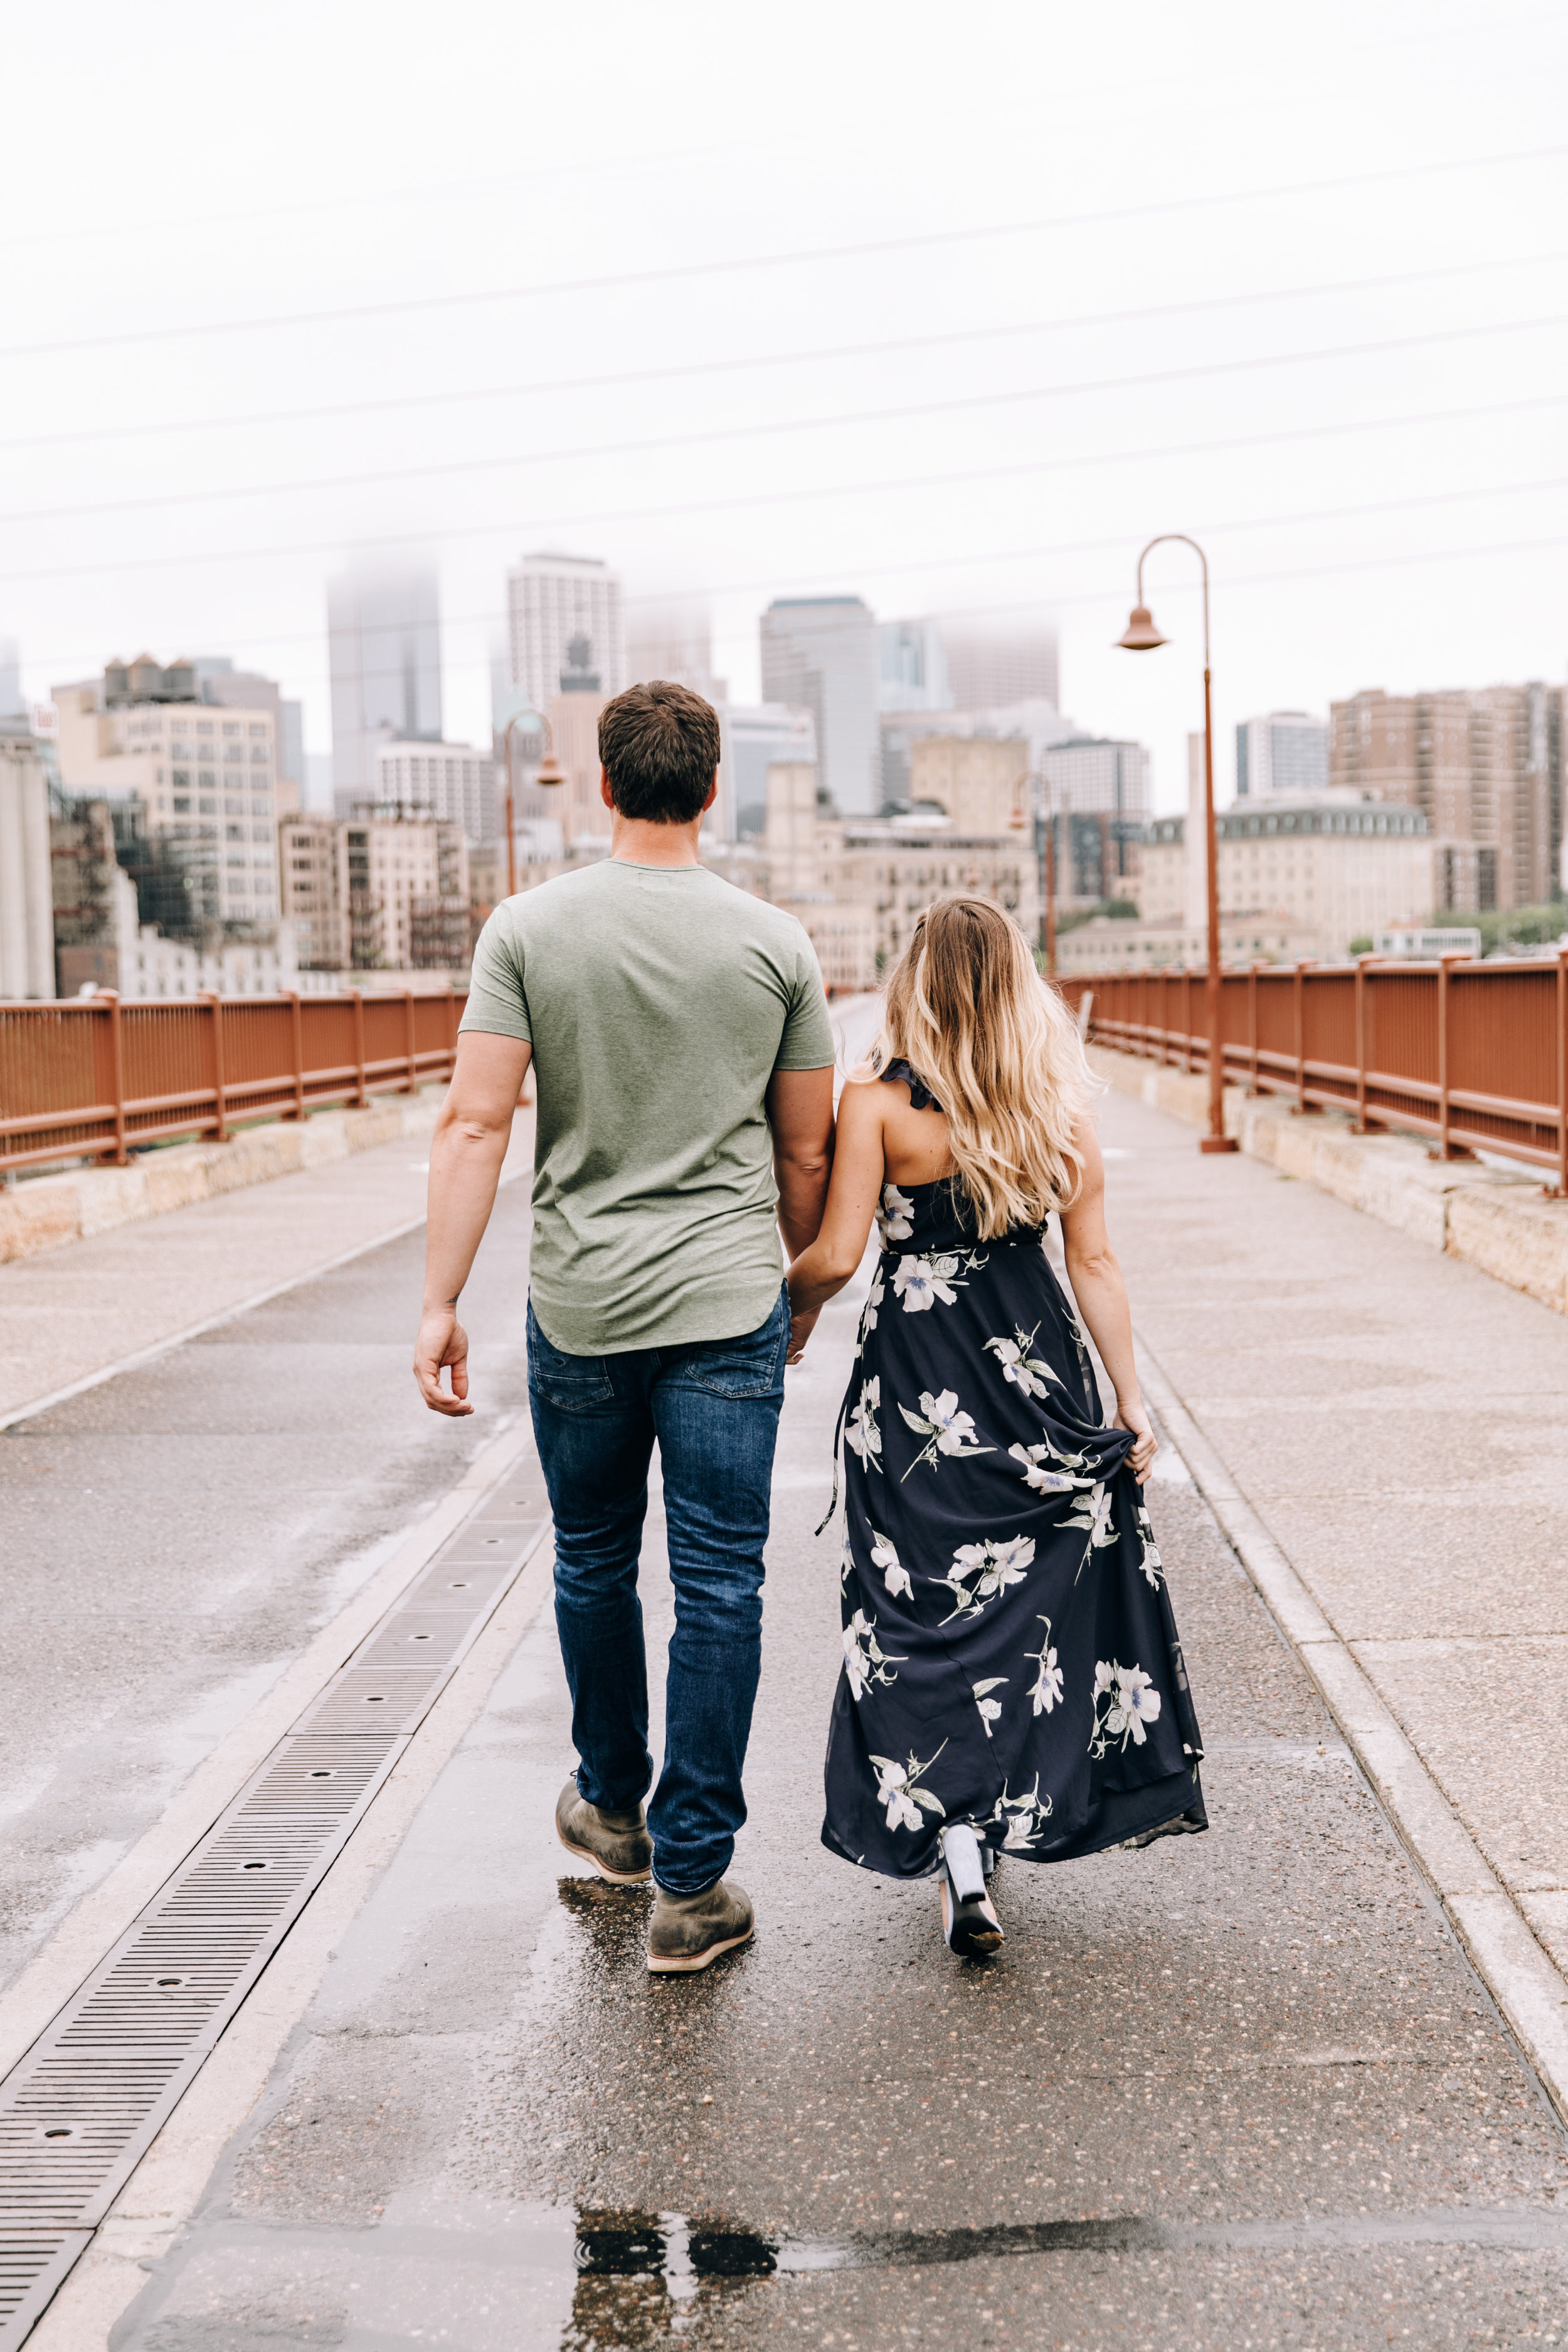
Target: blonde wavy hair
[[1001, 1053]]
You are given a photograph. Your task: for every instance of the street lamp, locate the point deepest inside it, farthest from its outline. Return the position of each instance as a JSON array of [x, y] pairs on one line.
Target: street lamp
[[1048, 875], [1141, 636], [549, 772]]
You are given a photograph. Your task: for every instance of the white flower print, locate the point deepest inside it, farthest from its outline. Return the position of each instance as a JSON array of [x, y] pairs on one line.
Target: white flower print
[[1021, 1819], [990, 1709], [918, 1284], [884, 1554], [847, 1565], [1041, 1481], [993, 1566], [860, 1431], [893, 1216], [1028, 1373], [896, 1789], [948, 1430], [1093, 1514], [1125, 1703], [1152, 1564], [1046, 1694], [865, 1660], [874, 1299]]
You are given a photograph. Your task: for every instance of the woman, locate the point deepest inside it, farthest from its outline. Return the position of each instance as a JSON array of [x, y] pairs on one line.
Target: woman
[[1013, 1680]]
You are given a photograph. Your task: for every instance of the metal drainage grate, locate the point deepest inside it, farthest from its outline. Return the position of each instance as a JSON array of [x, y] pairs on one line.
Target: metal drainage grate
[[32, 2265], [80, 2110]]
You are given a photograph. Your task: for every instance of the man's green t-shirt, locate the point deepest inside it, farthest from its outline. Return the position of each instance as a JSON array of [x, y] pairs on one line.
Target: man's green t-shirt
[[659, 1001]]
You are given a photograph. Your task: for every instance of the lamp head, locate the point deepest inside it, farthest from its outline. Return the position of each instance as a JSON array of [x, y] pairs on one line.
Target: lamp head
[[1141, 635], [550, 771]]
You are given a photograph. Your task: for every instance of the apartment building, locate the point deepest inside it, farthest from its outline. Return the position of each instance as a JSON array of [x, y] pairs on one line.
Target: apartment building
[[205, 774], [1485, 766], [1332, 869], [859, 885], [382, 893]]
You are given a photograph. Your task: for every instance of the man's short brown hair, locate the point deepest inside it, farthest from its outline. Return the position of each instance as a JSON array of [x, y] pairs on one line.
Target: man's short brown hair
[[659, 746]]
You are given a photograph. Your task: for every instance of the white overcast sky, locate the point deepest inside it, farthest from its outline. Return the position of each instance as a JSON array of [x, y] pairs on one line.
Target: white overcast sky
[[951, 308]]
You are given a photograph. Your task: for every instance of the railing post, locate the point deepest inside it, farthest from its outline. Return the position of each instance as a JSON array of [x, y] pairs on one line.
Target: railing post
[[117, 1069], [360, 1097], [1559, 1192], [1446, 1147], [1252, 1024], [220, 1104], [1301, 1108], [411, 1083], [297, 1029], [451, 1029], [1361, 964]]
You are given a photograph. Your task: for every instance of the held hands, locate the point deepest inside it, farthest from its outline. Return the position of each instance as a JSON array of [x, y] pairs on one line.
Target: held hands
[[442, 1341], [801, 1328], [1132, 1416]]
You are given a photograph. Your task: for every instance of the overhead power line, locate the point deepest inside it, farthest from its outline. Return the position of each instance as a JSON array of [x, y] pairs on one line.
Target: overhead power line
[[683, 371], [684, 272], [341, 548], [1209, 528], [163, 501]]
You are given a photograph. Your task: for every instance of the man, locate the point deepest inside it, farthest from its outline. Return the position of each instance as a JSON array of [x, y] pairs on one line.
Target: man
[[681, 1049]]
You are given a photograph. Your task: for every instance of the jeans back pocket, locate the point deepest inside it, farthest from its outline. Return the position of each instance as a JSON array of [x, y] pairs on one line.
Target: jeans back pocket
[[571, 1382]]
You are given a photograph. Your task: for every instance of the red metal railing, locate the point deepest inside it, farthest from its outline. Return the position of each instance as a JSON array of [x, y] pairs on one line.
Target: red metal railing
[[1473, 1054], [91, 1078]]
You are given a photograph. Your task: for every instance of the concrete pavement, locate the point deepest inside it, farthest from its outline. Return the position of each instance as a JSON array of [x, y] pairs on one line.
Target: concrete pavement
[[175, 1537], [1243, 2089]]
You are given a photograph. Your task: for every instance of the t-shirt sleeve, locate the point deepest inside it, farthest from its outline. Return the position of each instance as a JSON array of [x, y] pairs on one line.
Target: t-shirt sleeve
[[807, 1040], [498, 1001]]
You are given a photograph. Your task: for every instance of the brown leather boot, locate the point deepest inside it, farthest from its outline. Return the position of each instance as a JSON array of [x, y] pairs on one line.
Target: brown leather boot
[[617, 1845], [688, 1932]]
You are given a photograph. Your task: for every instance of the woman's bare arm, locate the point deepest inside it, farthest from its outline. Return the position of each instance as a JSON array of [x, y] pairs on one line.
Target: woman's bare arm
[[821, 1271], [1101, 1296]]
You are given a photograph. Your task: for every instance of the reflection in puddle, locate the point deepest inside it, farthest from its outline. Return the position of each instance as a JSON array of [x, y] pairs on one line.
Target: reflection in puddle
[[643, 2278]]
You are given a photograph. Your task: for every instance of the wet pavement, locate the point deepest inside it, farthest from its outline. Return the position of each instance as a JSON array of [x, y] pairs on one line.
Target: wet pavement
[[174, 1539], [1237, 2090]]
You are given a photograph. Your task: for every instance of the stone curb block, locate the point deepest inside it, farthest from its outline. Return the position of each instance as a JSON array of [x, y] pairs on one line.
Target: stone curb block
[[1499, 1223], [52, 1210], [1496, 1934]]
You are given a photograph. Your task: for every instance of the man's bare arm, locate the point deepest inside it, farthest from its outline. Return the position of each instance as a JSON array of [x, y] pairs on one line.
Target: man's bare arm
[[466, 1155], [800, 1113]]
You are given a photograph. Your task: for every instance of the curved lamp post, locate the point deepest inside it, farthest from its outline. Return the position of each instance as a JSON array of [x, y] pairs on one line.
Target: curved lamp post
[[549, 772], [1141, 636]]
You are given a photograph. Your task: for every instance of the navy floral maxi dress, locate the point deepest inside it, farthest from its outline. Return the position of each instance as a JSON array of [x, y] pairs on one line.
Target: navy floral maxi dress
[[1011, 1659]]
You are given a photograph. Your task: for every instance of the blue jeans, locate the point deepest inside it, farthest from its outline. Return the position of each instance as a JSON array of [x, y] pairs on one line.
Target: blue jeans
[[713, 1406]]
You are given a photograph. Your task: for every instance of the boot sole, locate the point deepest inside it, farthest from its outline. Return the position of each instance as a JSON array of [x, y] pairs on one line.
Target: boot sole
[[968, 1943], [686, 1968], [615, 1877]]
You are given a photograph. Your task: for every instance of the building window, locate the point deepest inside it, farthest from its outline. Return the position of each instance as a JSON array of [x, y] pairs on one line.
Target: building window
[[182, 806], [208, 778], [208, 808]]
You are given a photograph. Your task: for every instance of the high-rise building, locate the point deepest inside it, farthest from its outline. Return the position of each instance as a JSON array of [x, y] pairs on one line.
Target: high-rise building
[[913, 666], [672, 637], [384, 633], [203, 775], [1281, 751], [565, 628], [1485, 766], [992, 662], [451, 781], [754, 738], [1097, 797], [26, 911], [821, 654], [376, 892], [218, 681]]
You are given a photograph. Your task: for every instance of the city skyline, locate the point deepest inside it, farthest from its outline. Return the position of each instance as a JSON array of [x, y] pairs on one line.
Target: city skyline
[[1302, 307]]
